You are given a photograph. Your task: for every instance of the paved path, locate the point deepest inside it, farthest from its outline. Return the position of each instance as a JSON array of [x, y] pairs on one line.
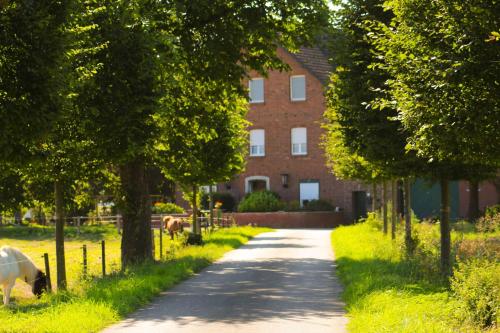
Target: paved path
[[280, 281]]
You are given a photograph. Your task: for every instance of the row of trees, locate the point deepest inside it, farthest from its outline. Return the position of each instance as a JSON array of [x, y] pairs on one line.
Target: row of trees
[[121, 85], [415, 94]]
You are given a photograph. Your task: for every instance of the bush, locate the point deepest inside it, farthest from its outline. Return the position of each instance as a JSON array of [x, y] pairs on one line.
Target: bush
[[476, 285], [492, 210], [489, 223], [264, 201], [482, 248], [318, 205], [293, 206], [166, 208], [226, 198]]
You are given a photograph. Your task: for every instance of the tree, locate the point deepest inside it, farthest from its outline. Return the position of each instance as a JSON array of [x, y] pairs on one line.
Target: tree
[[444, 83], [32, 46], [368, 132], [205, 140], [141, 40]]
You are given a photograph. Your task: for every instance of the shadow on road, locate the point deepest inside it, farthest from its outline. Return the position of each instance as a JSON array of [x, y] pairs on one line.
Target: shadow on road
[[245, 291]]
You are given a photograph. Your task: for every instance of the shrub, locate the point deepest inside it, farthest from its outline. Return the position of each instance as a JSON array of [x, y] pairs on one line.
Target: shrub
[[492, 210], [263, 201], [226, 198], [482, 248], [293, 206], [476, 285], [489, 223], [166, 208], [318, 205]]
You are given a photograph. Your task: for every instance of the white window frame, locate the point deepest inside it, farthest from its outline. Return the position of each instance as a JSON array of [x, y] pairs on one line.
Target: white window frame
[[258, 149], [302, 146], [250, 90], [291, 89], [206, 188]]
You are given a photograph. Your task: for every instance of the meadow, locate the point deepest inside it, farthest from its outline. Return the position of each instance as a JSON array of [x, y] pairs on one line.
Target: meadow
[[95, 302], [386, 291]]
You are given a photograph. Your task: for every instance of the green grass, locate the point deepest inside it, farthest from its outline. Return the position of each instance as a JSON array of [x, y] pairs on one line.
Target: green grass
[[382, 291], [93, 304]]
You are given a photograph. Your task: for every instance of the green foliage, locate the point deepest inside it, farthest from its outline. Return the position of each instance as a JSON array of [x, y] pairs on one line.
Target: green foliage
[[292, 206], [33, 43], [443, 79], [262, 201], [227, 199], [489, 222], [492, 210], [204, 135], [362, 141], [166, 208], [476, 285], [318, 205]]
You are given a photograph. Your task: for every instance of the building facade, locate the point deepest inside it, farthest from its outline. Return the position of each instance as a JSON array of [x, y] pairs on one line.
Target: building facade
[[285, 156]]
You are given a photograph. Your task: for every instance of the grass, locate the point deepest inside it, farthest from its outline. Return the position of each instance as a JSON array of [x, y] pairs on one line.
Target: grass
[[93, 304], [383, 292]]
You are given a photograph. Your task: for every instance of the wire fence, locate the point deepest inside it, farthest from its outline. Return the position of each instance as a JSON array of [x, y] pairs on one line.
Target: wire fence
[[95, 256]]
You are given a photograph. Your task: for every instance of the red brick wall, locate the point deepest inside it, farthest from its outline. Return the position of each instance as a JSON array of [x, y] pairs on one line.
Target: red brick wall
[[291, 219], [278, 115], [488, 196]]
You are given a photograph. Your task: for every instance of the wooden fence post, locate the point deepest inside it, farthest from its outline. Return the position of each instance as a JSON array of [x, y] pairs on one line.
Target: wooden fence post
[[103, 257], [47, 272], [161, 240], [84, 248], [153, 242]]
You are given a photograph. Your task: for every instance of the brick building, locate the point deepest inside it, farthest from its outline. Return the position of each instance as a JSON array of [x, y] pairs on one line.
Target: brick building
[[285, 156]]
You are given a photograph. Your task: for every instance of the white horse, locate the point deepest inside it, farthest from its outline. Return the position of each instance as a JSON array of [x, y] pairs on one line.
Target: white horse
[[15, 264]]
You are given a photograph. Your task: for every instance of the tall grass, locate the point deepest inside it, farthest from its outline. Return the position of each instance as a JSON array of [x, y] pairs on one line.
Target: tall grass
[[382, 291], [100, 302]]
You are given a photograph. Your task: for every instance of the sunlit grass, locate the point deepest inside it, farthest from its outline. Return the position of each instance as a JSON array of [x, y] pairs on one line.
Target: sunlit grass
[[92, 304], [381, 291]]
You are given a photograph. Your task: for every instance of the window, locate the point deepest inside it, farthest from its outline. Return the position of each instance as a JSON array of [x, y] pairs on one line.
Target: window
[[298, 88], [257, 142], [206, 188], [308, 191], [299, 141], [256, 90]]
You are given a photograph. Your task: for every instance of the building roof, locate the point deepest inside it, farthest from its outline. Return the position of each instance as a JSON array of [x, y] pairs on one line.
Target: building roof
[[315, 60]]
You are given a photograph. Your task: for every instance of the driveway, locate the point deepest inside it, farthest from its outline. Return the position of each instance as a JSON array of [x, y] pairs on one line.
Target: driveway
[[280, 281]]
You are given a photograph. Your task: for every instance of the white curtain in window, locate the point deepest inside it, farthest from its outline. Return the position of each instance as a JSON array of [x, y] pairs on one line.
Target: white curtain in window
[[299, 141], [298, 88], [256, 90], [257, 142]]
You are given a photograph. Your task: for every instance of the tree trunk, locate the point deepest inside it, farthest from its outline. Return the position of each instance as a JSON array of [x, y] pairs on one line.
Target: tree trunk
[[445, 229], [394, 210], [60, 258], [136, 213], [384, 207], [473, 200], [374, 197], [407, 213]]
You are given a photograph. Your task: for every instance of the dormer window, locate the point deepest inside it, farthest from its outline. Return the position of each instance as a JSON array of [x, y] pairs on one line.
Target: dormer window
[[256, 90], [298, 88]]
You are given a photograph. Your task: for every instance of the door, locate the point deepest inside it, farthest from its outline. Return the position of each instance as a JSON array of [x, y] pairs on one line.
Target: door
[[359, 208], [308, 192]]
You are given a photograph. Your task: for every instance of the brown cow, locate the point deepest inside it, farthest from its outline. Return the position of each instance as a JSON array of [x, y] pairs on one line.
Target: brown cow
[[173, 225]]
